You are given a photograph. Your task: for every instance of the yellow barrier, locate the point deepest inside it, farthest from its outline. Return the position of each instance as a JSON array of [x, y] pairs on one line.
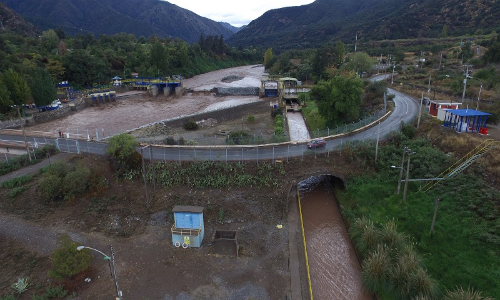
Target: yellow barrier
[[305, 246]]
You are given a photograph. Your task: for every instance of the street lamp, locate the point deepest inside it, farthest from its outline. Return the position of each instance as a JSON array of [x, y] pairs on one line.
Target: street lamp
[[111, 261]]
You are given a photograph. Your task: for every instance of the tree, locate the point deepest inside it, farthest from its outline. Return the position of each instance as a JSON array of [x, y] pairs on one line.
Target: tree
[[17, 86], [5, 101], [49, 40], [360, 62], [340, 53], [268, 58], [158, 58], [121, 149], [42, 87], [444, 31], [339, 99], [67, 260]]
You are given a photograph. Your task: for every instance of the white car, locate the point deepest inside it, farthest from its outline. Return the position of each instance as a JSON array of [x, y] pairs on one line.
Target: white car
[[56, 103]]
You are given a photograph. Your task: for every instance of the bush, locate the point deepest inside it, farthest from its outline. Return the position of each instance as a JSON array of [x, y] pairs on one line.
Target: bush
[[16, 182], [251, 119], [169, 141], [17, 191], [50, 187], [121, 149], [76, 182], [276, 112], [67, 260], [190, 125]]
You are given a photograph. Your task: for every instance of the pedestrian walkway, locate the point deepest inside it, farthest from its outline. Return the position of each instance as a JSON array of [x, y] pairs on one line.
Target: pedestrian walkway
[[35, 168]]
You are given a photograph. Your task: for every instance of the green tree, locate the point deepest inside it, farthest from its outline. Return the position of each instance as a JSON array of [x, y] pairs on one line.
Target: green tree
[[121, 149], [158, 59], [42, 87], [444, 31], [50, 40], [83, 68], [67, 260], [17, 86], [339, 99], [340, 53], [5, 101], [268, 58], [360, 62]]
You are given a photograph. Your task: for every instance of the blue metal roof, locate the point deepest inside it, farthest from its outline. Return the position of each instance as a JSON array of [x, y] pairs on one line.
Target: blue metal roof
[[467, 112]]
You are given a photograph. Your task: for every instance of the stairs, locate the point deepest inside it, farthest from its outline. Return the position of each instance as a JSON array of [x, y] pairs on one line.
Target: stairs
[[462, 164]]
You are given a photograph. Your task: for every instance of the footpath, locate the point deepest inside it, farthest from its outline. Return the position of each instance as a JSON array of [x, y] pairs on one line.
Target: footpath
[[36, 167]]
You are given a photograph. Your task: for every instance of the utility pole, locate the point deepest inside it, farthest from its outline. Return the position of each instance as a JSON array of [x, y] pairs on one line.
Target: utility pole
[[465, 81], [435, 213], [429, 87], [420, 110], [392, 77], [118, 292], [401, 169], [410, 153], [356, 43], [479, 96], [24, 132]]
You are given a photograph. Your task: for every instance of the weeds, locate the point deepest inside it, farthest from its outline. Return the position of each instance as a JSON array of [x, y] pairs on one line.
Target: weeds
[[17, 191], [16, 182], [21, 285]]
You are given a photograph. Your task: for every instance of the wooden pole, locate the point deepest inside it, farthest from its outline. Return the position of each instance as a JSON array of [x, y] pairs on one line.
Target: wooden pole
[[435, 213]]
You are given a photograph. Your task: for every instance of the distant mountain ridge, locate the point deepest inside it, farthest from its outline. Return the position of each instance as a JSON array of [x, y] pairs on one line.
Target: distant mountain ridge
[[139, 17], [12, 21], [325, 21]]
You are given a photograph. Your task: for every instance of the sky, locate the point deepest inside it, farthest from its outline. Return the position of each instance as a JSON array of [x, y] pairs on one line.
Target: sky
[[235, 12]]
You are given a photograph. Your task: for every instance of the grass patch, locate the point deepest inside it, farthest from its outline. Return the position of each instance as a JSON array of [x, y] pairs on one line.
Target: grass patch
[[16, 182], [463, 251], [313, 119], [17, 191]]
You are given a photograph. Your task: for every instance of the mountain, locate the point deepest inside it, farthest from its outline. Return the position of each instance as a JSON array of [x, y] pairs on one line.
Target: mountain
[[231, 27], [11, 21], [139, 17], [325, 21]]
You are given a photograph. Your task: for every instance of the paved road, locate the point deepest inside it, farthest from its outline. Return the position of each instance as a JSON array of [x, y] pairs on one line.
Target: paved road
[[406, 109]]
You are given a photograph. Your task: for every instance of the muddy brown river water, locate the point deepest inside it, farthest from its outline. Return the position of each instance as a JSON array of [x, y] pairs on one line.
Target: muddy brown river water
[[335, 270]]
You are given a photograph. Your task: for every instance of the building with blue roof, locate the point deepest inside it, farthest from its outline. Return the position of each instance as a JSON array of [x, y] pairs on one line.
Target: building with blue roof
[[466, 120]]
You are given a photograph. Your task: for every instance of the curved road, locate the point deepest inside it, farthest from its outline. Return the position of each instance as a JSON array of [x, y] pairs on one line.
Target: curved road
[[406, 108]]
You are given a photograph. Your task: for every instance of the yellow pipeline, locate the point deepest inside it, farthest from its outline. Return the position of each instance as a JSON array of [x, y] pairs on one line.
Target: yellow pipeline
[[305, 246]]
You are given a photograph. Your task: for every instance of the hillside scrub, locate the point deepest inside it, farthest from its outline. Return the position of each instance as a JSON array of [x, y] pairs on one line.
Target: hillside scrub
[[463, 248]]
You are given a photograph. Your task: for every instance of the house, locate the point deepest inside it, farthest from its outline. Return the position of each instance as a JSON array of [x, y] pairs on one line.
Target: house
[[437, 107]]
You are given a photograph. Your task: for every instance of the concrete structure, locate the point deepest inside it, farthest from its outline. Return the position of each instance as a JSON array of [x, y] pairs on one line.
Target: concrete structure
[[466, 120], [188, 229], [437, 107]]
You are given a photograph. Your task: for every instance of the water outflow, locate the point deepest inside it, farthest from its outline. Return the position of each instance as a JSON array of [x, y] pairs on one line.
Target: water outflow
[[335, 270]]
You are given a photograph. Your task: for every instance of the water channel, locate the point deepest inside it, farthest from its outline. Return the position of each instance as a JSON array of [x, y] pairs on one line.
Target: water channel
[[335, 270]]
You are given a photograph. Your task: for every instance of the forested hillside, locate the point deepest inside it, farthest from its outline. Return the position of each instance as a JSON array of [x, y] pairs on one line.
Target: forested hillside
[[139, 17], [329, 20]]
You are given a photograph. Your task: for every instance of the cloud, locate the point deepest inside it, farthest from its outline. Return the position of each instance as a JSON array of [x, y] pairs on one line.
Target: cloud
[[236, 13]]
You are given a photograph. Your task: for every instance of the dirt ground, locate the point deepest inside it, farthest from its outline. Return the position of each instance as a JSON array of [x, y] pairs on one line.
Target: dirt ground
[[137, 111], [148, 265]]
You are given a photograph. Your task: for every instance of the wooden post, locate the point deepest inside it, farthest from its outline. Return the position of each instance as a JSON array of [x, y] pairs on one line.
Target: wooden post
[[144, 177], [435, 213]]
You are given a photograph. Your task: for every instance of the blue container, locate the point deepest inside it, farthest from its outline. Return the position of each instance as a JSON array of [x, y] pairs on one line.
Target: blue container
[[188, 230]]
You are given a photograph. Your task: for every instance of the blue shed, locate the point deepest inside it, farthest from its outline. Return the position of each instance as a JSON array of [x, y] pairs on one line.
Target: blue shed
[[188, 229]]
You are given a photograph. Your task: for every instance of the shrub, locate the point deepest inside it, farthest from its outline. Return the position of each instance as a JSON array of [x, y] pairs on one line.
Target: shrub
[[17, 191], [190, 125], [50, 187], [276, 112], [251, 119], [169, 141], [121, 149], [76, 182], [67, 260], [16, 182]]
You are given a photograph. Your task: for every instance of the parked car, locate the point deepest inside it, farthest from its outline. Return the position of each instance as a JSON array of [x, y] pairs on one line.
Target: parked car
[[317, 143], [56, 103]]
